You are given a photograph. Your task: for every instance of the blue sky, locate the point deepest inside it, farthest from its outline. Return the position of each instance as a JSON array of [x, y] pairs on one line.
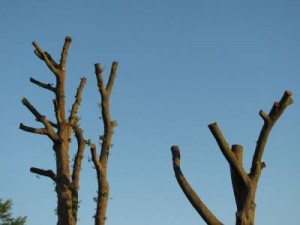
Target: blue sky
[[182, 66]]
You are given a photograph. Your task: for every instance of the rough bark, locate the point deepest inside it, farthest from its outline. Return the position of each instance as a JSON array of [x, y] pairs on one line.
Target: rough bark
[[101, 162], [66, 178], [244, 184]]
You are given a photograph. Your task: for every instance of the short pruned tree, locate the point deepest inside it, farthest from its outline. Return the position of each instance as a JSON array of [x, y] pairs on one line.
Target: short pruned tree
[[244, 184], [66, 177], [101, 161]]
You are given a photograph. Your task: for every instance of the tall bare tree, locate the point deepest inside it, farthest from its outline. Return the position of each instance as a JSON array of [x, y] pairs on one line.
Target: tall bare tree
[[66, 178], [244, 184], [101, 162]]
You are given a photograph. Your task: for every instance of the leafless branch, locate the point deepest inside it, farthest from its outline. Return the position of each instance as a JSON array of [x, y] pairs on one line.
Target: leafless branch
[[78, 157], [98, 71], [73, 114], [95, 159], [40, 118], [42, 85], [41, 131], [64, 53], [189, 192], [269, 121], [228, 154], [113, 74], [42, 172], [46, 58]]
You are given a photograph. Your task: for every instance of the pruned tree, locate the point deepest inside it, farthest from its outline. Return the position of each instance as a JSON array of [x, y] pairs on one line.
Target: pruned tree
[[66, 177], [100, 162], [244, 184], [6, 217]]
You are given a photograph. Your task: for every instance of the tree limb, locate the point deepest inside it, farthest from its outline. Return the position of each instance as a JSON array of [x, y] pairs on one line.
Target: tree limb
[[42, 172], [41, 131], [100, 82], [75, 106], [64, 53], [191, 195], [46, 58], [95, 158], [228, 154], [269, 121], [113, 74], [40, 118], [78, 157], [42, 85]]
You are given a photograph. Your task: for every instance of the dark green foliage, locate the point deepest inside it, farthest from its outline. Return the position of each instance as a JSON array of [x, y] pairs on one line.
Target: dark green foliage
[[6, 217]]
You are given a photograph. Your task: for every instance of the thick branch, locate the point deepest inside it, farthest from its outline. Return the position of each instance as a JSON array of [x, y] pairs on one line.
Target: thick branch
[[73, 114], [269, 121], [46, 173], [78, 158], [194, 199], [228, 154], [64, 53], [238, 184], [40, 118], [41, 131], [113, 74], [52, 65], [98, 71], [42, 85], [95, 159]]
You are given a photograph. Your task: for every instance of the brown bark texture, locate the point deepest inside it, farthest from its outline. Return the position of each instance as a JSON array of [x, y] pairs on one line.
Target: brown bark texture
[[244, 184], [101, 161], [66, 177]]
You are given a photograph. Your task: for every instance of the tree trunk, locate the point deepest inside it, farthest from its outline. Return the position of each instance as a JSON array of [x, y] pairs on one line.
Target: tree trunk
[[102, 199], [63, 186]]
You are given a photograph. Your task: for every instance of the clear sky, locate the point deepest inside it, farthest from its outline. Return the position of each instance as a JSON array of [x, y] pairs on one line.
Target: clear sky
[[183, 65]]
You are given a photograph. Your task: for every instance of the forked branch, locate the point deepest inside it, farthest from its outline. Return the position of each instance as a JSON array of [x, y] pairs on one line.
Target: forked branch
[[40, 118], [269, 121], [46, 57], [105, 92], [101, 162]]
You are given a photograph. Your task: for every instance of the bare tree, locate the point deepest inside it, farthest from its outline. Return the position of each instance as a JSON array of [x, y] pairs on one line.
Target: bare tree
[[101, 162], [66, 178], [244, 184]]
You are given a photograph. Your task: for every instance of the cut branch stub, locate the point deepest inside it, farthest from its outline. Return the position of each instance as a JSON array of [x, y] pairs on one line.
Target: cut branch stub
[[64, 53], [238, 152], [42, 172]]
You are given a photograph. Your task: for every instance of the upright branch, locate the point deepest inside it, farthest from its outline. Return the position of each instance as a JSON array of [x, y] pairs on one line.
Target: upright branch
[[101, 162], [244, 184], [228, 153], [60, 131], [269, 121]]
